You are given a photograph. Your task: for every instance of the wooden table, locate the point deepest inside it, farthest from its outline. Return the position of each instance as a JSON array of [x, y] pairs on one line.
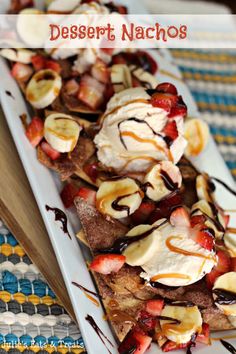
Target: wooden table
[[19, 211]]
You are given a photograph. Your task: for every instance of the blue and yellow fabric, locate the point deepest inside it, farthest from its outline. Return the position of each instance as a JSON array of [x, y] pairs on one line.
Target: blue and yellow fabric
[[211, 77], [31, 318]]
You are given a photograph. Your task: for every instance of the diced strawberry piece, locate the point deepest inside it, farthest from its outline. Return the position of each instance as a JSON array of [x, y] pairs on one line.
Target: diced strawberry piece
[[171, 130], [119, 59], [180, 217], [91, 169], [211, 278], [167, 87], [72, 87], [88, 194], [109, 92], [122, 9], [53, 65], [147, 321], [68, 194], [48, 149], [163, 100], [107, 263], [164, 207], [226, 220], [21, 72], [204, 238], [169, 346], [180, 109], [135, 82], [197, 220], [141, 215], [204, 336], [136, 342], [91, 91], [233, 264], [38, 62], [100, 71], [108, 51], [34, 131], [224, 262], [155, 306]]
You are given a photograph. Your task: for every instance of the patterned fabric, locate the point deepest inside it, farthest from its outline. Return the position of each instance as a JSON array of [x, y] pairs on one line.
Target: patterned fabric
[[31, 318], [211, 77]]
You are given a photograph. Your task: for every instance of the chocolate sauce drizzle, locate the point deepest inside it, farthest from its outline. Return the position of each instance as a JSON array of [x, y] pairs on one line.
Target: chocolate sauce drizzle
[[99, 332], [8, 93], [60, 216], [81, 287], [122, 243], [169, 184], [228, 346], [224, 297], [116, 206], [229, 189]]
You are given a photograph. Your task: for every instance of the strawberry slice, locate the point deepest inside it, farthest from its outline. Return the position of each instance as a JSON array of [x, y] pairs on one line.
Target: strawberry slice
[[48, 149], [169, 346], [38, 62], [100, 71], [226, 220], [197, 220], [136, 342], [53, 65], [91, 91], [164, 207], [34, 131], [119, 59], [91, 169], [167, 87], [180, 217], [204, 237], [180, 109], [141, 215], [87, 194], [211, 278], [68, 194], [155, 306], [163, 100], [224, 262], [233, 264], [146, 320], [170, 130], [107, 263], [72, 87], [21, 72], [204, 336]]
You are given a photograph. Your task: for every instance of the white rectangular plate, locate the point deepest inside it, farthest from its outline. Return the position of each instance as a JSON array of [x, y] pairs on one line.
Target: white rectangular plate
[[46, 187]]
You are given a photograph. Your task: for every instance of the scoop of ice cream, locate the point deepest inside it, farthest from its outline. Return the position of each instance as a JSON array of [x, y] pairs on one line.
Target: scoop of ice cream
[[135, 134]]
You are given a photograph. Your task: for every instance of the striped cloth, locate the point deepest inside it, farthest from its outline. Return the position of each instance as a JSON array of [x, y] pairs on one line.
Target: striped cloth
[[211, 77], [31, 318]]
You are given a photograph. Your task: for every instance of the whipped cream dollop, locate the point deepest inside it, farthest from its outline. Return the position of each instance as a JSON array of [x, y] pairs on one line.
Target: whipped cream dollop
[[131, 137], [178, 260]]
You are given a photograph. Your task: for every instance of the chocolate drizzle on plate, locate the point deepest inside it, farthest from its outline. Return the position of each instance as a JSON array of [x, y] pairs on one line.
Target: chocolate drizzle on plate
[[122, 243], [60, 216], [99, 332], [224, 297], [88, 293], [228, 346], [8, 93], [229, 189]]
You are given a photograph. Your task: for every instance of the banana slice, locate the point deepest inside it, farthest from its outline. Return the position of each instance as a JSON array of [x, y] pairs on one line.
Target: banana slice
[[204, 191], [140, 252], [32, 27], [196, 133], [227, 283], [190, 322], [230, 243], [119, 197], [19, 55], [43, 88], [147, 79], [162, 179], [61, 132], [203, 207], [120, 77]]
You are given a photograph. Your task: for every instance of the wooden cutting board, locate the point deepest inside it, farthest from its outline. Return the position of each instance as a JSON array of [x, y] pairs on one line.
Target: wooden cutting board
[[19, 211]]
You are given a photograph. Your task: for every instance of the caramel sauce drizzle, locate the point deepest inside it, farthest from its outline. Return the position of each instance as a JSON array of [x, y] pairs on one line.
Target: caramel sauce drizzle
[[185, 252], [231, 229], [147, 158], [171, 275], [114, 110]]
